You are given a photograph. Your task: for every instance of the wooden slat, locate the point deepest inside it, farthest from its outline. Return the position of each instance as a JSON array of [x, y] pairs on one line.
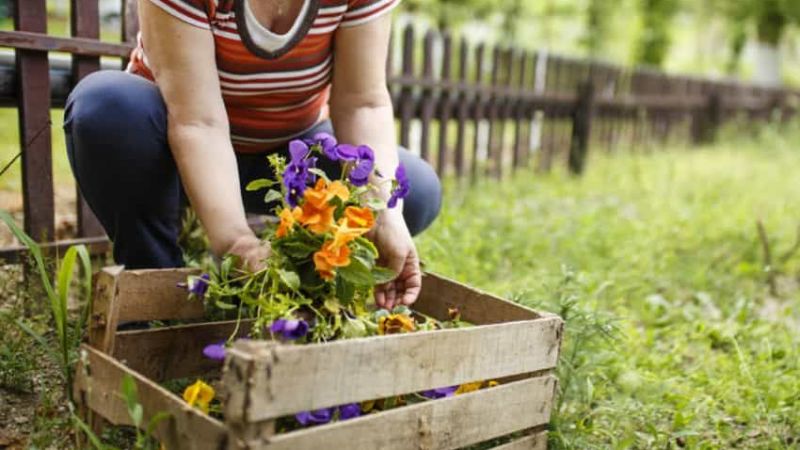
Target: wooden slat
[[463, 109], [475, 306], [98, 381], [428, 100], [105, 309], [441, 424], [174, 352], [285, 379], [155, 295], [494, 148], [406, 94], [536, 441], [34, 123], [445, 104], [36, 39], [521, 119], [15, 253], [85, 23], [478, 109]]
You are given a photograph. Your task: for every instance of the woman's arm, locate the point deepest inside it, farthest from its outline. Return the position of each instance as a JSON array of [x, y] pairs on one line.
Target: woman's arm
[[182, 60], [361, 112]]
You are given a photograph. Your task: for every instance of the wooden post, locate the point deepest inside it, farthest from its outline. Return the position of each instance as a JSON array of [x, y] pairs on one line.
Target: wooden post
[[478, 109], [428, 99], [581, 128], [407, 93], [445, 104], [33, 75], [463, 108], [708, 120], [85, 23]]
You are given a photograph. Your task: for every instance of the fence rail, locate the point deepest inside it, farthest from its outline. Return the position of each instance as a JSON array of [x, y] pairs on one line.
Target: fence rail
[[470, 110]]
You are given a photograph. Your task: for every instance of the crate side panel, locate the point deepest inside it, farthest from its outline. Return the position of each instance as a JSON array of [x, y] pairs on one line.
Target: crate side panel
[[155, 295], [442, 424], [439, 294], [98, 383], [536, 441], [174, 352], [300, 378]]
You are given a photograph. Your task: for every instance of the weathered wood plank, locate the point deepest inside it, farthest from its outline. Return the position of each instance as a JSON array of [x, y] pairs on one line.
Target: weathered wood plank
[[155, 295], [34, 124], [536, 441], [406, 93], [174, 352], [285, 379], [442, 424], [98, 381], [38, 41], [439, 294], [105, 309]]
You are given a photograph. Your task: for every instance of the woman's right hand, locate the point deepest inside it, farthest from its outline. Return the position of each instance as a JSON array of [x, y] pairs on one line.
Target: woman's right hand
[[252, 252]]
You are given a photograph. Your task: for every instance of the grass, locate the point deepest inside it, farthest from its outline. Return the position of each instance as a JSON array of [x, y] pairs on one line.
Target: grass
[[673, 336]]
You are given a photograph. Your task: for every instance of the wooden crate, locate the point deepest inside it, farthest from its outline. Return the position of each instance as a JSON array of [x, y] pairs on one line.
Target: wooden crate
[[265, 380]]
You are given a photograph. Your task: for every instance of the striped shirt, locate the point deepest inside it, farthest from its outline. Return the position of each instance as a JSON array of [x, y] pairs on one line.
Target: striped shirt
[[269, 98]]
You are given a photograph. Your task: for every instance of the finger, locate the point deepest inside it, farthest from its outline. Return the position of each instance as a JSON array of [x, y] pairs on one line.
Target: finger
[[412, 280], [391, 295], [380, 296]]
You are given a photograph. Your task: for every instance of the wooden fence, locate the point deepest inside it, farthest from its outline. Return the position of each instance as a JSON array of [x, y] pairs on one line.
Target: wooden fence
[[471, 110]]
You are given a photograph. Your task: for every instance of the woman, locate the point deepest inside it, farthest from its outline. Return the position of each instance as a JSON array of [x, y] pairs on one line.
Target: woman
[[214, 86]]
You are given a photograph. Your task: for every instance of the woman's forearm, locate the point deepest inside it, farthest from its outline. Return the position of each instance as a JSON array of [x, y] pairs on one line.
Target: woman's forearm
[[207, 165], [370, 122]]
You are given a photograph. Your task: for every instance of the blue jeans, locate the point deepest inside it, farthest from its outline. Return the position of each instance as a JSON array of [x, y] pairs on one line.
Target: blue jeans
[[116, 133]]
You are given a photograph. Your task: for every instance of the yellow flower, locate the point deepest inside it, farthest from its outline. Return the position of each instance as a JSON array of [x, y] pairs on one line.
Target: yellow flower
[[396, 323], [199, 394], [469, 387], [338, 189]]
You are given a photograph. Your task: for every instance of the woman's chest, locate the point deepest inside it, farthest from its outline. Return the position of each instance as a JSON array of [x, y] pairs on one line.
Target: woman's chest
[[237, 53]]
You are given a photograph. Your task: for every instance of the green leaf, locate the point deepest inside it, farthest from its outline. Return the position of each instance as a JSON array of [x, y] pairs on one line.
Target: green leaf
[[131, 397], [366, 244], [332, 305], [93, 439], [297, 249], [290, 279], [273, 196], [376, 204], [356, 272], [225, 306], [155, 420], [137, 414], [382, 275], [320, 173], [261, 183], [344, 291]]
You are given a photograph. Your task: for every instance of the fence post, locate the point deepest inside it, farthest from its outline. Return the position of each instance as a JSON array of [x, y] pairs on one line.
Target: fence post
[[708, 119], [33, 84], [581, 127]]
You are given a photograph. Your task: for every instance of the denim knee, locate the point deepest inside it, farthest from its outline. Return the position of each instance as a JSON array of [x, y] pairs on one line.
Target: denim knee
[[116, 128], [424, 200]]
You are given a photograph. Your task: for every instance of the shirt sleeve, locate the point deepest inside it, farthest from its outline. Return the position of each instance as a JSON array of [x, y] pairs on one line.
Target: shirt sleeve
[[362, 11], [192, 12]]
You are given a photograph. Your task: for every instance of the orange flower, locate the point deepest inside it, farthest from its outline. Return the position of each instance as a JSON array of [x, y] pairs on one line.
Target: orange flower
[[344, 234], [469, 387], [359, 217], [318, 196], [317, 212], [288, 219], [328, 258], [396, 323]]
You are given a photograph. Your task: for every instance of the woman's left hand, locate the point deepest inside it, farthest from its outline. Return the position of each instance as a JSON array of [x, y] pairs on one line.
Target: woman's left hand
[[399, 254]]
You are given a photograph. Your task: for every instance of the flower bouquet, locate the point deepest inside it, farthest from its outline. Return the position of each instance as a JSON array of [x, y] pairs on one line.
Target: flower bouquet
[[318, 282]]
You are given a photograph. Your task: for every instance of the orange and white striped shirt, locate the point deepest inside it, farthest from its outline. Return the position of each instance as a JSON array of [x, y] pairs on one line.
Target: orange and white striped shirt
[[270, 98]]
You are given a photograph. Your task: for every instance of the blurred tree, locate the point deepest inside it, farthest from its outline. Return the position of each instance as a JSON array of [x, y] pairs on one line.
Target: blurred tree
[[654, 41], [770, 19], [598, 22]]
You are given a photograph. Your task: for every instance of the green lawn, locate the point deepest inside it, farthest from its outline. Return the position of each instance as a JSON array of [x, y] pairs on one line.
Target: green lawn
[[672, 335]]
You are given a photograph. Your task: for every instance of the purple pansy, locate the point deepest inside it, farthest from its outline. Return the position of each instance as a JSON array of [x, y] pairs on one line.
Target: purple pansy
[[290, 328], [364, 163], [196, 285], [296, 176], [402, 186], [316, 417], [215, 351], [327, 144], [349, 411], [440, 392]]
